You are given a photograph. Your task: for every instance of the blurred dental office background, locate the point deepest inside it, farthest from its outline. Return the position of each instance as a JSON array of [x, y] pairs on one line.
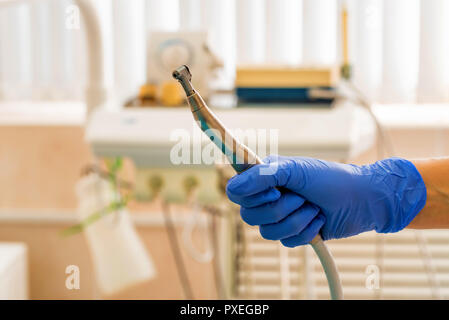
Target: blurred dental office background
[[86, 98]]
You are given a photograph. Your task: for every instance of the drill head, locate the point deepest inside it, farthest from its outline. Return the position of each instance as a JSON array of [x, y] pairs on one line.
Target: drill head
[[183, 75]]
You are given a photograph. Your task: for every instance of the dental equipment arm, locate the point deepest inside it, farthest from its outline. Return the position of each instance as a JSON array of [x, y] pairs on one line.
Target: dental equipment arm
[[96, 91], [242, 159]]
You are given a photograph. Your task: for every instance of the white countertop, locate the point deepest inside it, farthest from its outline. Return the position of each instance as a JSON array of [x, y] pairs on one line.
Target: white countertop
[[339, 133], [73, 113], [413, 116]]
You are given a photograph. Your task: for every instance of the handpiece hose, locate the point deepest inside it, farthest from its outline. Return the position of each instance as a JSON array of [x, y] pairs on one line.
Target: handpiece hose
[[241, 159]]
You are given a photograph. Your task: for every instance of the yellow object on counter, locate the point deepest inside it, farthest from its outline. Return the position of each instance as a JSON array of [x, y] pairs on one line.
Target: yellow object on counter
[[146, 96], [286, 77], [147, 91], [170, 94]]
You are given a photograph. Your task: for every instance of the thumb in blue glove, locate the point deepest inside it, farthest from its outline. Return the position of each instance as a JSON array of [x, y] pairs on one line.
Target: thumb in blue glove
[[333, 199]]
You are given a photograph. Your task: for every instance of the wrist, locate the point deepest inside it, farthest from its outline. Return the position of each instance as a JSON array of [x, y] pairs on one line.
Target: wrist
[[435, 214]]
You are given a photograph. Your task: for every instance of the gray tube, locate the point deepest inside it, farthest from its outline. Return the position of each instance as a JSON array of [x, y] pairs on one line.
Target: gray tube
[[329, 267]]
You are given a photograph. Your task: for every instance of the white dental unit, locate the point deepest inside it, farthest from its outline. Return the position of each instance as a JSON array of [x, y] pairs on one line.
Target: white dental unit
[[144, 135]]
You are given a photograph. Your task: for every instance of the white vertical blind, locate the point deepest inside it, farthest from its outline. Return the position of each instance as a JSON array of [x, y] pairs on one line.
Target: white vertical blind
[[250, 36], [284, 32], [319, 32], [63, 55], [78, 71], [162, 15], [433, 84], [41, 49], [16, 61], [366, 44], [129, 47], [220, 22], [191, 15], [104, 9], [398, 48]]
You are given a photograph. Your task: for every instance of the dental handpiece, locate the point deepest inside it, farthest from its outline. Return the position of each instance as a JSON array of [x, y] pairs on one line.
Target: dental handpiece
[[239, 155], [242, 158]]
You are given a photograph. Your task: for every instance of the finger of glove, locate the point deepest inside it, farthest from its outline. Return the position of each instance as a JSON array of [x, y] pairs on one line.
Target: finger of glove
[[307, 235], [292, 225], [258, 178], [272, 212], [257, 199]]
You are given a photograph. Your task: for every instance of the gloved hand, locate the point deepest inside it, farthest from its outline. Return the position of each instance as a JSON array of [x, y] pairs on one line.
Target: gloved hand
[[333, 199]]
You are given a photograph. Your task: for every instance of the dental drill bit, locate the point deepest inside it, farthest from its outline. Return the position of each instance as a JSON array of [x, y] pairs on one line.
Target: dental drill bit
[[183, 75]]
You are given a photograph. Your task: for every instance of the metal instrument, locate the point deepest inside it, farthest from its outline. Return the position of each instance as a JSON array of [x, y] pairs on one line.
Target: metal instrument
[[241, 159]]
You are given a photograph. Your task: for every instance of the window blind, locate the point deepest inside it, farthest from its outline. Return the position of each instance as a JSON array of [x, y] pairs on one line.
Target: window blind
[[410, 264], [398, 48]]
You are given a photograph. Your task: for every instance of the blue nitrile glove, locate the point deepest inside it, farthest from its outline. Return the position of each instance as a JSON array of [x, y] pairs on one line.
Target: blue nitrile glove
[[333, 199]]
